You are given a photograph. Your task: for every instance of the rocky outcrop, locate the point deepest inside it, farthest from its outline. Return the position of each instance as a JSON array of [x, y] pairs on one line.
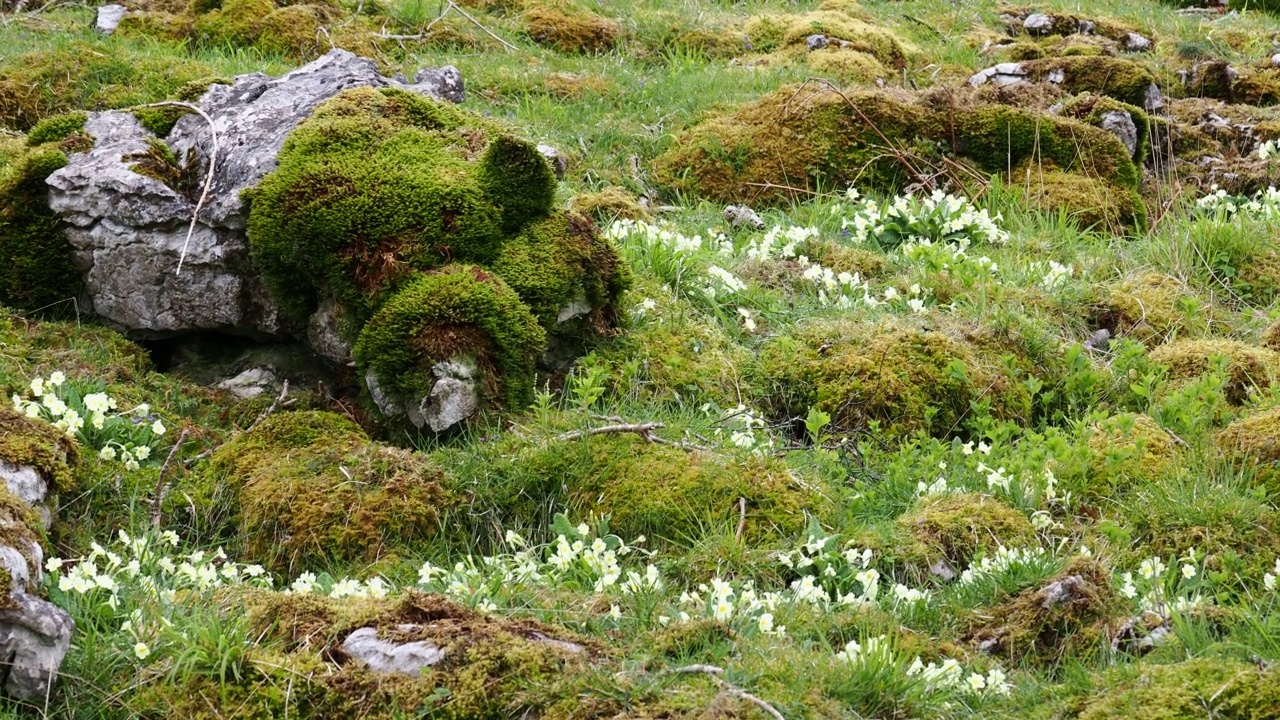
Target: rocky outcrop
[[35, 634], [129, 230]]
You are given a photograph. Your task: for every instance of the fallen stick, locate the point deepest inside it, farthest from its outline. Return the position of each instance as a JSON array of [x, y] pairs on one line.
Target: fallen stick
[[156, 513], [714, 673]]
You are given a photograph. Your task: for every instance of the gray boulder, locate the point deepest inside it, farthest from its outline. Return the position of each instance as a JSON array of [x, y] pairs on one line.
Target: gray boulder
[[390, 658], [1120, 124], [1038, 24], [128, 231], [34, 633], [1010, 73], [108, 18]]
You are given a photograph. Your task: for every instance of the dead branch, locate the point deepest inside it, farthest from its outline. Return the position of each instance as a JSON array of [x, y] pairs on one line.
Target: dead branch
[[715, 674], [275, 405], [208, 182], [477, 23], [156, 513], [644, 430], [742, 519]]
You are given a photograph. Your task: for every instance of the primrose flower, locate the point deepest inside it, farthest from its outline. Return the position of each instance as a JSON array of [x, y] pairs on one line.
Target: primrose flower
[[141, 651], [976, 682], [158, 427], [56, 378], [1188, 571]]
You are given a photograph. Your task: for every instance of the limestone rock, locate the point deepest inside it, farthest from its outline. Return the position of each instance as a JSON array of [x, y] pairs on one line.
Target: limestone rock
[[108, 18], [250, 383], [558, 162], [739, 215], [1038, 24], [391, 658], [1133, 42], [34, 638], [816, 42], [1003, 74], [128, 231], [1120, 124]]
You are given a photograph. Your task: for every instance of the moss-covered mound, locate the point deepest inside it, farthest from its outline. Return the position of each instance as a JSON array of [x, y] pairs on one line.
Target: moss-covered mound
[[1254, 440], [952, 528], [380, 190], [1127, 450], [894, 379], [655, 490], [1203, 687], [1068, 614], [490, 667], [37, 444], [570, 28], [311, 488], [1144, 307], [458, 313], [300, 31], [1123, 79], [816, 138], [35, 258], [844, 33], [88, 75], [1248, 368], [1231, 533]]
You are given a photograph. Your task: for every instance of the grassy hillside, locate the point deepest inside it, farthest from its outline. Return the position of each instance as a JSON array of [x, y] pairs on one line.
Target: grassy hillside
[[980, 422]]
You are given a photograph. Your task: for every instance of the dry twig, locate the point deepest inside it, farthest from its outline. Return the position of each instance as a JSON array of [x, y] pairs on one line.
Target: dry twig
[[156, 515], [742, 519], [208, 182], [714, 673], [275, 405]]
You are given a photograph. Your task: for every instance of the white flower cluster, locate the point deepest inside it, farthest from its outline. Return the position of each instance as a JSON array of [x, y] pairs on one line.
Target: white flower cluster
[[1004, 560], [1263, 205], [947, 256], [746, 429], [1055, 274], [947, 676], [938, 217], [1269, 579], [723, 602], [832, 577], [778, 243], [1267, 149], [125, 436], [144, 565], [951, 676], [308, 583], [728, 282], [625, 231]]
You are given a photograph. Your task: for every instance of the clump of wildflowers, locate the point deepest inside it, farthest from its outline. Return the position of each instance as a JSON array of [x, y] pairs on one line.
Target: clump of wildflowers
[[95, 419]]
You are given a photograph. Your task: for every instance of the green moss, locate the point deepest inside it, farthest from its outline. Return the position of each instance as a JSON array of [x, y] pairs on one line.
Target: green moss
[[819, 139], [1127, 450], [773, 32], [847, 65], [953, 527], [1065, 619], [56, 128], [159, 121], [893, 379], [192, 91], [1248, 369], [1091, 108], [311, 489], [238, 22], [35, 259], [673, 355], [20, 530], [570, 29], [561, 261], [457, 311], [36, 443], [88, 75], [373, 188], [1125, 80], [519, 179], [1270, 337], [159, 162], [1144, 307], [1254, 441], [662, 492], [1091, 202], [612, 203], [1231, 530], [1202, 687]]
